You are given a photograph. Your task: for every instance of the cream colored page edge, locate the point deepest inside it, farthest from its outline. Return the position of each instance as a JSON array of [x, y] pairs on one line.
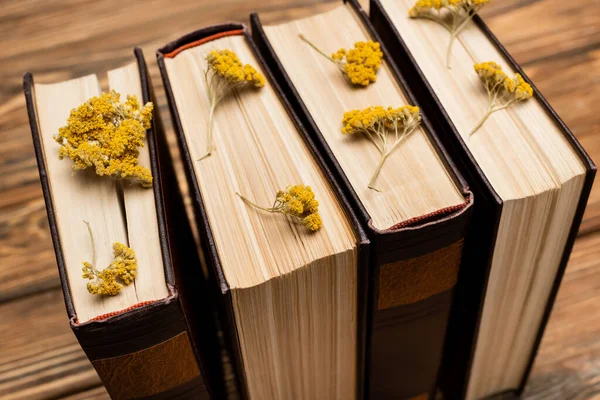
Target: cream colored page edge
[[317, 377], [547, 159], [401, 159], [79, 197], [256, 226], [541, 278]]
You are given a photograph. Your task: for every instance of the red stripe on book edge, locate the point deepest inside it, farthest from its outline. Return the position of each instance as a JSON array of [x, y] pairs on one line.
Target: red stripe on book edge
[[425, 217], [112, 314], [202, 41]]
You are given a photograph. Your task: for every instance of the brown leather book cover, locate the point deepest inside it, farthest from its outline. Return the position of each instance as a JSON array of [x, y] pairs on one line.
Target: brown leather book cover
[[211, 257], [480, 241], [156, 349], [413, 267]]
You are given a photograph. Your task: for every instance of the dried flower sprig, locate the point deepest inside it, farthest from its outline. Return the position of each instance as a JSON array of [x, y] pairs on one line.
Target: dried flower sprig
[[297, 201], [105, 133], [225, 73], [451, 14], [122, 267], [502, 90], [359, 64], [377, 123]]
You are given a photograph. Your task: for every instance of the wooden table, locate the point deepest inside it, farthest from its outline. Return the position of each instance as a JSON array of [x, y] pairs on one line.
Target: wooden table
[[556, 41]]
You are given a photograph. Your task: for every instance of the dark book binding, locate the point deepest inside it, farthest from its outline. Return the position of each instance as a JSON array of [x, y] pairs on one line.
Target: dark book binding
[[157, 349], [220, 286], [480, 241], [405, 329]]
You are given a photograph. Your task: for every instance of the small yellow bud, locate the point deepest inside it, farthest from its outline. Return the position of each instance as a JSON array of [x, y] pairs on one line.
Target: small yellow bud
[[313, 221], [297, 201], [123, 267], [359, 64], [502, 90]]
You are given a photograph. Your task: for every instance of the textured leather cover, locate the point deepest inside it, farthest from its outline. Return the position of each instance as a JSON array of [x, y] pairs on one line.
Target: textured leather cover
[[404, 341], [145, 351], [219, 284], [480, 241]]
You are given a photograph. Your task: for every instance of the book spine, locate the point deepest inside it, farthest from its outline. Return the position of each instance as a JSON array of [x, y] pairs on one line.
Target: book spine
[[145, 352], [416, 270]]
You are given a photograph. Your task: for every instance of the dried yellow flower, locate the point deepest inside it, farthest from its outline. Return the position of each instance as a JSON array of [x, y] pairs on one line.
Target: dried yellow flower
[[122, 267], [451, 14], [359, 64], [502, 90], [105, 133], [225, 73], [297, 201], [377, 123]]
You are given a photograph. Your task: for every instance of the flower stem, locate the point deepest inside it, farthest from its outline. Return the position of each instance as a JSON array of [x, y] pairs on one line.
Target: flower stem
[[453, 33], [321, 52], [209, 139], [464, 23], [89, 229], [481, 122], [449, 51], [377, 171], [255, 205], [434, 19]]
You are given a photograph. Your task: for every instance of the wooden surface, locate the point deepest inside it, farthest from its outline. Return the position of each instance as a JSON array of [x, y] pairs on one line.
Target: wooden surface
[[556, 41]]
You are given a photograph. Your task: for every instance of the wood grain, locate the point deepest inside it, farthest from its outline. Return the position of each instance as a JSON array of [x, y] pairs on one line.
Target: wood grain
[[39, 354], [557, 42], [96, 393]]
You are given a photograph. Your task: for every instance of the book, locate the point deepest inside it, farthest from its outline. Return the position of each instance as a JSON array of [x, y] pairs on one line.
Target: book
[[531, 179], [143, 341], [416, 214], [288, 287]]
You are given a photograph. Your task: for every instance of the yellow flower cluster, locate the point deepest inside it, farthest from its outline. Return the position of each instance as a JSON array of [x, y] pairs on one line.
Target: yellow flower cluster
[[451, 14], [427, 5], [105, 133], [122, 267], [225, 73], [378, 117], [422, 6], [227, 65], [297, 201], [376, 123], [499, 84], [361, 63], [502, 90]]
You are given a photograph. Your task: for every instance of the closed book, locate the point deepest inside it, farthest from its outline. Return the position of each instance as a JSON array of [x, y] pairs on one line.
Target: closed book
[[289, 283], [144, 342], [415, 216], [531, 179]]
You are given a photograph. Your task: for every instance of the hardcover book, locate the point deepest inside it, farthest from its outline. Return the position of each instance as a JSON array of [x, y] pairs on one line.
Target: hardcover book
[[285, 252], [141, 338], [529, 174], [410, 198]]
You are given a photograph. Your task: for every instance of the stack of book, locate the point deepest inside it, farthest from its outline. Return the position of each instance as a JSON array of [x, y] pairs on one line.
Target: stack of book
[[384, 205]]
